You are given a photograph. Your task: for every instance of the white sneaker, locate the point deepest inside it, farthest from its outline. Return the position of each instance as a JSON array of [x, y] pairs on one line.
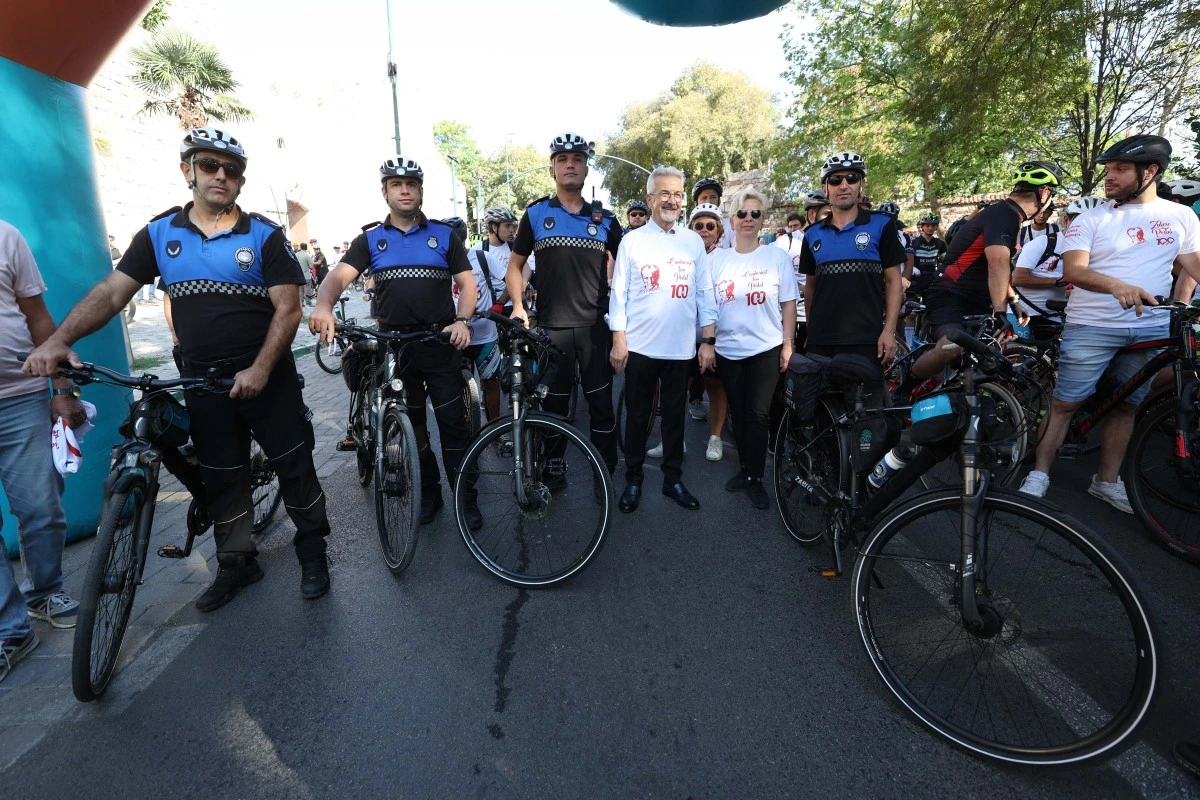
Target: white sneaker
[[1111, 493], [697, 410], [716, 449], [1035, 484], [657, 450], [58, 609]]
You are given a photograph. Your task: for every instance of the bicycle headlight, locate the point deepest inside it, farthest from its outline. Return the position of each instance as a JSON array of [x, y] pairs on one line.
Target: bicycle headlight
[[396, 385]]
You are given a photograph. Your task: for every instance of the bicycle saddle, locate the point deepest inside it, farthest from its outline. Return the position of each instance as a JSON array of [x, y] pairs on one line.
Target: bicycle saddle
[[344, 299]]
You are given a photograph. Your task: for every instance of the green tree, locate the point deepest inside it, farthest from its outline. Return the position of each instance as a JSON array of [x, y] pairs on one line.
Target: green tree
[[187, 78], [454, 141], [709, 122], [156, 16], [528, 167]]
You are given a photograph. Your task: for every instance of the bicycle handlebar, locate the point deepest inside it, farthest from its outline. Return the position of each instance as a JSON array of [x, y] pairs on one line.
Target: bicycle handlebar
[[145, 382], [395, 336], [968, 342]]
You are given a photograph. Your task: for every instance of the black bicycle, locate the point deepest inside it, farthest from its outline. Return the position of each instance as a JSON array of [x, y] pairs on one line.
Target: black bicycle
[[329, 354], [541, 487], [157, 426], [1002, 623]]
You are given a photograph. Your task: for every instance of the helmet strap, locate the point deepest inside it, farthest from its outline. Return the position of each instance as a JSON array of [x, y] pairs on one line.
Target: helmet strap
[[1141, 187]]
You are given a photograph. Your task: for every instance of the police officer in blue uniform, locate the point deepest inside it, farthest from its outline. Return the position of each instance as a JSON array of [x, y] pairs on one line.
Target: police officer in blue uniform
[[574, 242], [412, 260], [235, 307]]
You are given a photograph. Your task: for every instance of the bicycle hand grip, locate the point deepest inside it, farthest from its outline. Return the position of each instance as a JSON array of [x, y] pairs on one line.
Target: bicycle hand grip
[[499, 319]]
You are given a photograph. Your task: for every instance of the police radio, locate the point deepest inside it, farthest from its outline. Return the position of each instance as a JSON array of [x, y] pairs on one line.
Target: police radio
[[597, 209]]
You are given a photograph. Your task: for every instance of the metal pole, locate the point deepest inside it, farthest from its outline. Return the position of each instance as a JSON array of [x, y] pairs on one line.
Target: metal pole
[[454, 182], [622, 160], [479, 204], [391, 69], [507, 179]]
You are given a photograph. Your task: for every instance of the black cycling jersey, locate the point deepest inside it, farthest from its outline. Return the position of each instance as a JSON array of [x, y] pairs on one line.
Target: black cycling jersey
[[927, 253], [966, 270]]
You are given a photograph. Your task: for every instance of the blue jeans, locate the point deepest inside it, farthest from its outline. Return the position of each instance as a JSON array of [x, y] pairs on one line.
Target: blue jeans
[[1087, 350], [34, 490], [141, 295]]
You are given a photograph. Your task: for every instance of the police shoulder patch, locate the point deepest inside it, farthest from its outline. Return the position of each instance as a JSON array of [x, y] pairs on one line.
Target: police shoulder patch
[[170, 212]]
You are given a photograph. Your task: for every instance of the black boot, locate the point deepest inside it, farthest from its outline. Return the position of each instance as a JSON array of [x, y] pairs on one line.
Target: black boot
[[314, 578], [233, 572]]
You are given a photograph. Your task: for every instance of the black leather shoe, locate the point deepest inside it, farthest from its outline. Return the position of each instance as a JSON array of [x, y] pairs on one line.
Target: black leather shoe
[[231, 577], [756, 493], [630, 498], [679, 493], [430, 505], [472, 514], [736, 483], [314, 578]]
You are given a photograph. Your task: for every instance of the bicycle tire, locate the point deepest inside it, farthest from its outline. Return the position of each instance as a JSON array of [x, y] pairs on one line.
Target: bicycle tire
[[363, 430], [529, 547], [1011, 429], [803, 518], [397, 490], [471, 400], [330, 361], [102, 624], [1085, 695], [265, 496], [619, 416], [1164, 497]]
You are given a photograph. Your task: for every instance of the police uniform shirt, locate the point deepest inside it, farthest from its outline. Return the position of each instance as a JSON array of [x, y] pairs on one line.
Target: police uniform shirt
[[218, 284], [572, 260], [848, 301], [412, 270]]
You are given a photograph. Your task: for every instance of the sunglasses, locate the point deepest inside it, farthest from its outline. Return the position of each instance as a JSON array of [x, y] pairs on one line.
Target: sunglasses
[[636, 214], [851, 179], [210, 166], [753, 213], [704, 226]]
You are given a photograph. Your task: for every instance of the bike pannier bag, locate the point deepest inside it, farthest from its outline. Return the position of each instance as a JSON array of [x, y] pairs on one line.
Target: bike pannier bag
[[938, 418], [807, 377]]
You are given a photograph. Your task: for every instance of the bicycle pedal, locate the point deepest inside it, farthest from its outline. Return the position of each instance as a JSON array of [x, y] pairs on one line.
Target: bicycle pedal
[[826, 572], [346, 446], [171, 551]]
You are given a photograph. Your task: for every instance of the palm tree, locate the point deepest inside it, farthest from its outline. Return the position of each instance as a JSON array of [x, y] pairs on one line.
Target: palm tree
[[186, 77]]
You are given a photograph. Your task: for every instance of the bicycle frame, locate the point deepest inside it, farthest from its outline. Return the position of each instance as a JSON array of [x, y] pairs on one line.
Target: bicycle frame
[[1083, 423]]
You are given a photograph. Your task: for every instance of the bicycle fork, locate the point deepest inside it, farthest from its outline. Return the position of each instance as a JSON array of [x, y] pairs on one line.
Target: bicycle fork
[[978, 618]]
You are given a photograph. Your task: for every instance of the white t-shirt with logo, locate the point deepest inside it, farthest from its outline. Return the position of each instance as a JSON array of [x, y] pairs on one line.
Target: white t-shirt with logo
[[792, 244], [749, 288], [1052, 267], [498, 265], [661, 290], [1136, 243], [482, 330]]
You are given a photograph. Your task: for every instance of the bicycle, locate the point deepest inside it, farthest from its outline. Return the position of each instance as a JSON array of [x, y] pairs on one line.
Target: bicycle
[[157, 426], [386, 440], [542, 484], [1004, 625], [329, 354]]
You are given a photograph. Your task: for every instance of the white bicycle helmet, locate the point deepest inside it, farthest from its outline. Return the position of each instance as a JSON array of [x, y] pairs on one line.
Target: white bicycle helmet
[[843, 161], [498, 214], [401, 167], [1188, 190], [572, 143], [213, 140], [1082, 204], [705, 210]]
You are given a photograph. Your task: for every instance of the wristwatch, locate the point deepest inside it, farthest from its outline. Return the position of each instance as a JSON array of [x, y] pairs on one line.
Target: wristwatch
[[464, 320], [708, 340], [73, 390]]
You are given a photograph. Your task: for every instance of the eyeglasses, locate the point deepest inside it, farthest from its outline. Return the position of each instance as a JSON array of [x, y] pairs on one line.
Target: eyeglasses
[[754, 213], [636, 214], [851, 179], [209, 166], [704, 226], [665, 196]]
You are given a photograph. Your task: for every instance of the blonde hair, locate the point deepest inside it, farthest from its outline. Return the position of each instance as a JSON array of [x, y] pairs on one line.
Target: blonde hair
[[748, 194]]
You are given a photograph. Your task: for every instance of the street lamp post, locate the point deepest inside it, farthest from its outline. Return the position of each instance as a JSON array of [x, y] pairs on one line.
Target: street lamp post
[[453, 181], [391, 70], [507, 176]]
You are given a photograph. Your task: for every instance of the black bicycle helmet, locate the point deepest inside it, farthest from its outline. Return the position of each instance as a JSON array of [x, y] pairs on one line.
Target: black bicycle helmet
[[458, 225], [401, 167], [889, 208], [815, 200], [706, 183], [1141, 150], [213, 140]]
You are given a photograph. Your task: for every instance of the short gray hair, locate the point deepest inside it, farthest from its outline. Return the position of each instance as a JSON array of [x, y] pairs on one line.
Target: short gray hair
[[749, 193], [661, 172]]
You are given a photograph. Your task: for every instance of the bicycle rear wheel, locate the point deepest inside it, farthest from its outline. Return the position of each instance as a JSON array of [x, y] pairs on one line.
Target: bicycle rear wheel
[[107, 597], [815, 459], [398, 490], [329, 356], [1069, 666], [264, 488], [1164, 489], [560, 527]]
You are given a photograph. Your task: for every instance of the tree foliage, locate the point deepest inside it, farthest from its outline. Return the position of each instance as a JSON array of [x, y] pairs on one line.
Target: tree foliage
[[709, 122], [527, 165], [156, 16], [187, 78], [454, 141]]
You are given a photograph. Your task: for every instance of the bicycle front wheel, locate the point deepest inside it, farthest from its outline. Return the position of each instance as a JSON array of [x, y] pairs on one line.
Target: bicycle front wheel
[[264, 488], [107, 597], [1164, 489], [329, 356], [550, 526], [1067, 665], [398, 490]]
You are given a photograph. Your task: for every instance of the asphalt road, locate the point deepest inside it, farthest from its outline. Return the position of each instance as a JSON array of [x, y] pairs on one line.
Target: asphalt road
[[697, 657]]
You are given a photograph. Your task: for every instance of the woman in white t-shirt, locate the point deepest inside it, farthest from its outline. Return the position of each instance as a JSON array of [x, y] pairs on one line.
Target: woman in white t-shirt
[[756, 293]]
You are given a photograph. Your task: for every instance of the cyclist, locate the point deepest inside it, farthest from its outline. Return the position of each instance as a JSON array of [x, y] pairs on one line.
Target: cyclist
[[484, 350], [1135, 236], [705, 220], [853, 261], [661, 291], [494, 252], [816, 207], [234, 308], [893, 210], [412, 261], [928, 251], [636, 214], [1038, 274], [976, 278], [573, 241], [708, 190], [1039, 226]]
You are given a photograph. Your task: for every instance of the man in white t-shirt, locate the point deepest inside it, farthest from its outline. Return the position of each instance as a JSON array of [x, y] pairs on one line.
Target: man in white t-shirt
[[1119, 256], [1039, 226], [501, 225], [660, 290]]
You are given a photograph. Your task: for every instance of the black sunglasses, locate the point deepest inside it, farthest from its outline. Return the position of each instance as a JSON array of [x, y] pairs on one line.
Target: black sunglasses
[[851, 179], [210, 166], [636, 214], [704, 226], [754, 213]]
